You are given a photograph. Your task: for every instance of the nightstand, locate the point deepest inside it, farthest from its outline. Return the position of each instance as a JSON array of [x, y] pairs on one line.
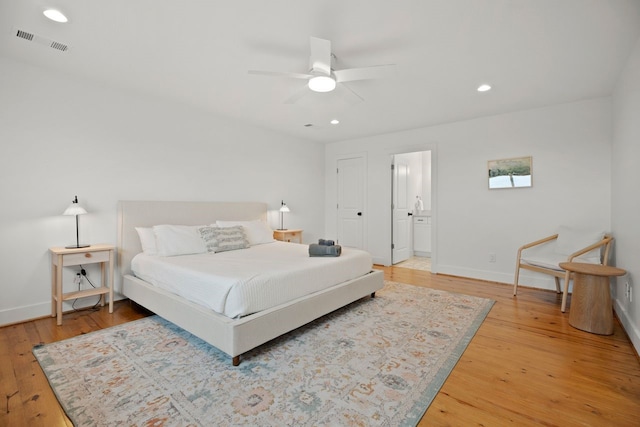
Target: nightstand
[[94, 254], [288, 235]]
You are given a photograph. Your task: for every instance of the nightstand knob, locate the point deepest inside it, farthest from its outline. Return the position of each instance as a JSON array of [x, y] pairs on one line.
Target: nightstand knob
[[87, 255]]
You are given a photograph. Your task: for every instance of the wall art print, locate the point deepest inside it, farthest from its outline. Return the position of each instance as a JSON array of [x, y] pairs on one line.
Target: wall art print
[[510, 173]]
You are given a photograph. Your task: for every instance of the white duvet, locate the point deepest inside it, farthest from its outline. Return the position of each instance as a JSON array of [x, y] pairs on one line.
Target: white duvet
[[241, 282]]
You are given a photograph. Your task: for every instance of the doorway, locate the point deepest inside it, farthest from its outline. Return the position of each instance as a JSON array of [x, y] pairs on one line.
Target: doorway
[[411, 204]]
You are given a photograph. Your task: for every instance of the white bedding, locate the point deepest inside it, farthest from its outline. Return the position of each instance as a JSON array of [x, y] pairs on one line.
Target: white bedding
[[241, 282]]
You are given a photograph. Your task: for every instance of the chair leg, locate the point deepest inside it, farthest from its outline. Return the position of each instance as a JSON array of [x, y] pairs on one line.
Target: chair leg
[[515, 280], [566, 291], [557, 284]]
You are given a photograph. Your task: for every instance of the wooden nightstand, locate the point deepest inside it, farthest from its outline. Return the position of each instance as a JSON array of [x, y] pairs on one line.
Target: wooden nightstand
[[288, 235], [63, 257]]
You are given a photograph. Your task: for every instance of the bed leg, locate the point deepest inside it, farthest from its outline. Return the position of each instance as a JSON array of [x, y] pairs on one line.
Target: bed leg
[[235, 360], [373, 294]]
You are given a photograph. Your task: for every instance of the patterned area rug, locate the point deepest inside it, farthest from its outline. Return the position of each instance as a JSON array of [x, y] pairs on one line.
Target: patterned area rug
[[416, 263], [377, 362]]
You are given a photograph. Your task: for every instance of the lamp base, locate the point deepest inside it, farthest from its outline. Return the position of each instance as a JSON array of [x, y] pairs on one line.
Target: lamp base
[[76, 246], [281, 229]]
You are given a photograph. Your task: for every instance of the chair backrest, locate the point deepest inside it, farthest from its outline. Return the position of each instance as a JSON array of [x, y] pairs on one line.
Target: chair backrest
[[606, 249], [571, 240]]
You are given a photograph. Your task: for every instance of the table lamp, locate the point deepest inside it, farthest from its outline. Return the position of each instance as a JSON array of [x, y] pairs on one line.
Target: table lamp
[[75, 209], [283, 208]]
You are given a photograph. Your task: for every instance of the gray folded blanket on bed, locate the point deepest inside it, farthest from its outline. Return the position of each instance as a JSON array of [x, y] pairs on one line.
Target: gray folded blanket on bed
[[324, 242], [324, 250]]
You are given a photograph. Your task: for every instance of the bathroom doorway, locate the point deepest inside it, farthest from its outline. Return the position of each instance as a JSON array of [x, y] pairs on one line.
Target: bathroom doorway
[[411, 205]]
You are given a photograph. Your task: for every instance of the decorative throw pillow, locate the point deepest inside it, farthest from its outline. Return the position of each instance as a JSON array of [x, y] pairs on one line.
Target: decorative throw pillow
[[229, 238], [257, 231], [209, 237]]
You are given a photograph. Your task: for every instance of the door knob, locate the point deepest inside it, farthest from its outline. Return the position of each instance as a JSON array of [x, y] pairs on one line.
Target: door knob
[[409, 213], [359, 213]]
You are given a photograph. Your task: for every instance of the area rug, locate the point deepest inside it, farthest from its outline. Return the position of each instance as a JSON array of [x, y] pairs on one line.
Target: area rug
[[416, 263], [377, 362]]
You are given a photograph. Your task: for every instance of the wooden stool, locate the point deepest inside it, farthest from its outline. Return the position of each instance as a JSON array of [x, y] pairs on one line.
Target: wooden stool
[[591, 308]]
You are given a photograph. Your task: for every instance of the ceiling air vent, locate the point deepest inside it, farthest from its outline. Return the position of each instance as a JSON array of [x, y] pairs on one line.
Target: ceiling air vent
[[24, 35], [41, 40]]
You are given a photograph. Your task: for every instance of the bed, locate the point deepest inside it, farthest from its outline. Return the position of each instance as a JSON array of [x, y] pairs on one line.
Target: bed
[[242, 331]]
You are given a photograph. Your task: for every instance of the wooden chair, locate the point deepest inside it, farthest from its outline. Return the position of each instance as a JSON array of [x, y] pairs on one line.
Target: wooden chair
[[545, 255]]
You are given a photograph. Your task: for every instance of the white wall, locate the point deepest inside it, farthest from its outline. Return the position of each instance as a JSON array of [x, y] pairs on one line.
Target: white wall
[[625, 200], [571, 149], [62, 137], [426, 179]]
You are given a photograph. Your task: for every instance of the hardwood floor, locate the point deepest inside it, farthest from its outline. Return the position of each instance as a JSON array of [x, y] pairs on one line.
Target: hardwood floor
[[525, 366]]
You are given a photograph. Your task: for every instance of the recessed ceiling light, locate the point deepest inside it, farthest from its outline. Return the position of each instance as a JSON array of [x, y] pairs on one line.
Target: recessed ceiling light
[[484, 88], [55, 15], [322, 84], [334, 121]]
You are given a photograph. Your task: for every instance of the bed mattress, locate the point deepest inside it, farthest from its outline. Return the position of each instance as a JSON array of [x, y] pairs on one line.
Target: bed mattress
[[241, 282]]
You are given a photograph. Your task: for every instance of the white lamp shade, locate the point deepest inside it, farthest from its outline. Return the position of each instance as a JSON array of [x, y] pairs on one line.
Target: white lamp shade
[[74, 209], [284, 208]]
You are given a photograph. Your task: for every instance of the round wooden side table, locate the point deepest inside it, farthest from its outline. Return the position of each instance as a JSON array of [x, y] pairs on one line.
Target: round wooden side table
[[591, 308]]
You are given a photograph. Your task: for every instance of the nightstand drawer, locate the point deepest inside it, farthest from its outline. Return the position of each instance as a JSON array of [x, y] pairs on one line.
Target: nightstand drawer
[[85, 258]]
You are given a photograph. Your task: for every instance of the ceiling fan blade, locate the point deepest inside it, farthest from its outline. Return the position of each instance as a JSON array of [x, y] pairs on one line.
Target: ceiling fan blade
[[281, 74], [299, 94], [365, 73], [320, 59], [348, 94]]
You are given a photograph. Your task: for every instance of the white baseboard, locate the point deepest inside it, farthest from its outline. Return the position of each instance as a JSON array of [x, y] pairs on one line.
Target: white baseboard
[[627, 324], [531, 281], [24, 313], [380, 261], [43, 309]]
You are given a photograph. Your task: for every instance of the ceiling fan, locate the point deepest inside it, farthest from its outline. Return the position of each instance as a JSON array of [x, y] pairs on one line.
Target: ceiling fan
[[323, 78]]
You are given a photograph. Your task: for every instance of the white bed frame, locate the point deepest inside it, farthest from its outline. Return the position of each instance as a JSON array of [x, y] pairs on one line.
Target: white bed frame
[[232, 336]]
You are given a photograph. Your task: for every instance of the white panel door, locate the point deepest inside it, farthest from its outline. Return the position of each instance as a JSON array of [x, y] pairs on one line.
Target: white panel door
[[401, 230], [351, 189]]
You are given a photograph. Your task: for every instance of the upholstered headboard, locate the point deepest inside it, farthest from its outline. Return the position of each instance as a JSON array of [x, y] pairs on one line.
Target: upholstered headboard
[[134, 213]]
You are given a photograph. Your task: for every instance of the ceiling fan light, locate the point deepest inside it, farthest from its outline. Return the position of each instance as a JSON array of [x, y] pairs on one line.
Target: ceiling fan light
[[55, 15], [322, 84]]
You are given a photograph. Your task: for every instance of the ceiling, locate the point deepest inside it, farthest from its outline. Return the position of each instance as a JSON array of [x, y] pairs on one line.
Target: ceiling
[[533, 52]]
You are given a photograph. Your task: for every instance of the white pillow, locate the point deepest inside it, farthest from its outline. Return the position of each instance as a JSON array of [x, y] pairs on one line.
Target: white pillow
[[147, 240], [172, 240], [571, 240], [257, 231]]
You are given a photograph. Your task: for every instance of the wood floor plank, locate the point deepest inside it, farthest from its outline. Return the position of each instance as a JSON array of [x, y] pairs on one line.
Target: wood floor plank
[[12, 412], [525, 366]]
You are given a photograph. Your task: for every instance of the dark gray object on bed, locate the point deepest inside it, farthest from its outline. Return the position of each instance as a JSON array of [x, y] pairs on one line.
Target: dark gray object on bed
[[323, 250]]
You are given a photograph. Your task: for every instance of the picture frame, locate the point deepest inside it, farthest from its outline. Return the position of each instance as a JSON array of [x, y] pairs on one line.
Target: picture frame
[[516, 172]]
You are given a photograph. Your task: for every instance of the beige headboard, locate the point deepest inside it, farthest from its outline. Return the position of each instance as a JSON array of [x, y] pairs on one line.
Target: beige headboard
[[134, 213]]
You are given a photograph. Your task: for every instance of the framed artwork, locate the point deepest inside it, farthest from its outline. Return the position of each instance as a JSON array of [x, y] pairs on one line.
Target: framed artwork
[[510, 173]]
